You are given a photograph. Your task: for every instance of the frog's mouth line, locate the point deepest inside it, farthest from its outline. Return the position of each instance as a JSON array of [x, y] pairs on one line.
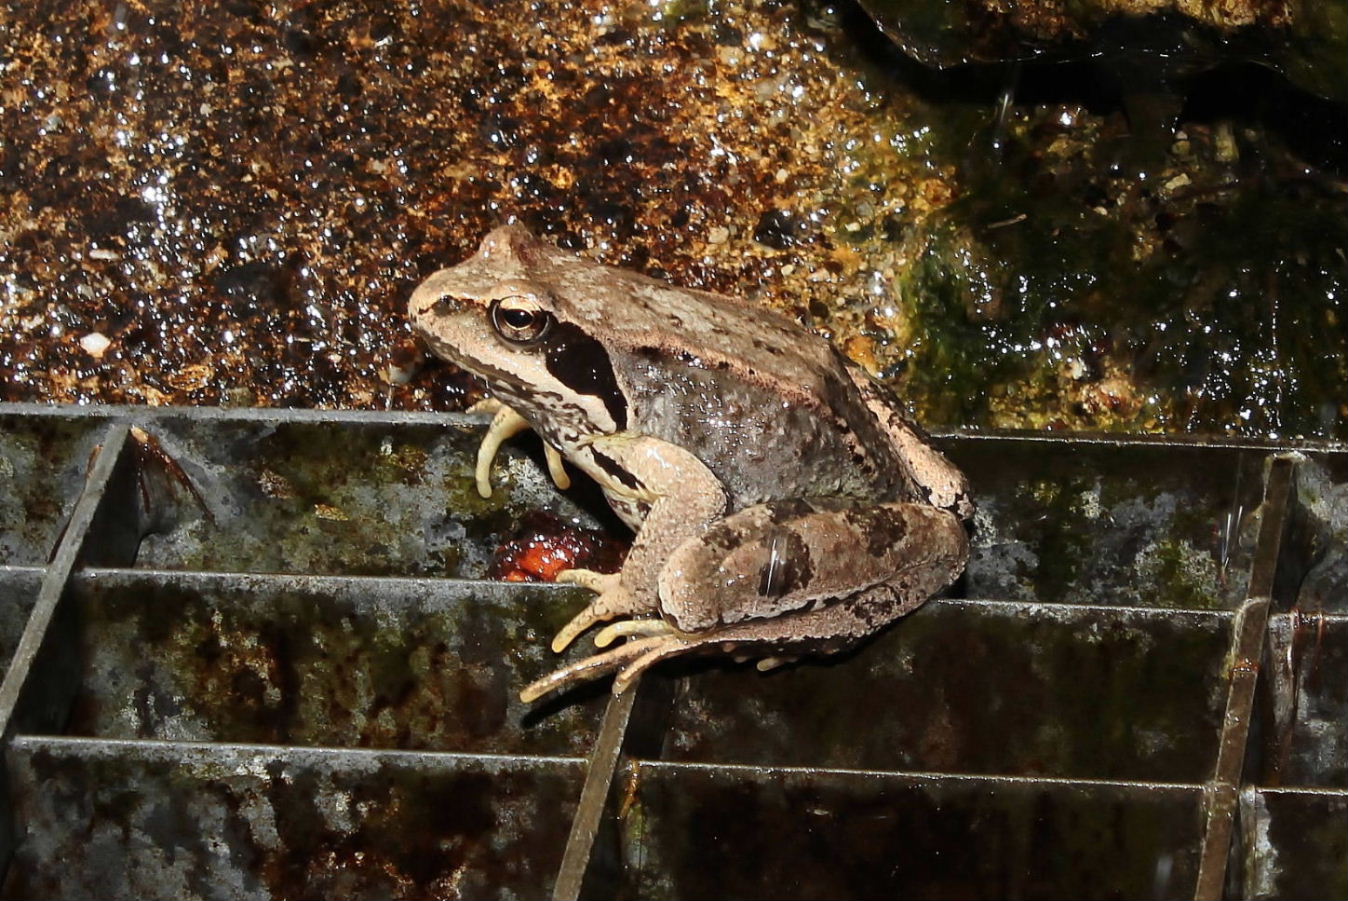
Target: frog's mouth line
[[454, 353]]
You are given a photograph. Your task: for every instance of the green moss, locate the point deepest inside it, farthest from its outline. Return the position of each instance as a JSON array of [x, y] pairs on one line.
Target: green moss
[[1178, 575], [1220, 302]]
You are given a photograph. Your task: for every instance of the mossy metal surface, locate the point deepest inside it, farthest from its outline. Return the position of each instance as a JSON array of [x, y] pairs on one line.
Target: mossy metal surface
[[277, 714], [270, 822]]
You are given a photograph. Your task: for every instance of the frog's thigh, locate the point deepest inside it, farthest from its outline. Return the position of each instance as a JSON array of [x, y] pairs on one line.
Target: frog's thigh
[[773, 559]]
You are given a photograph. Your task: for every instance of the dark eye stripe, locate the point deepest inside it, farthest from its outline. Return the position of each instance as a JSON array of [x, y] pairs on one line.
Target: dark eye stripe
[[582, 364], [610, 466]]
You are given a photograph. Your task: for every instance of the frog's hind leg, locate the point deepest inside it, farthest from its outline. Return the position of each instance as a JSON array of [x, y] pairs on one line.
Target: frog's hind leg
[[812, 562], [826, 630], [792, 556]]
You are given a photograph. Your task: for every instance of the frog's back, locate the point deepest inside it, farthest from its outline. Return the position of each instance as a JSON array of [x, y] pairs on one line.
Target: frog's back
[[756, 344], [766, 444], [769, 406]]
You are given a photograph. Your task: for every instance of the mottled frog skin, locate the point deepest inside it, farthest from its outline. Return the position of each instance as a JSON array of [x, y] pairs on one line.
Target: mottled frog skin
[[782, 502]]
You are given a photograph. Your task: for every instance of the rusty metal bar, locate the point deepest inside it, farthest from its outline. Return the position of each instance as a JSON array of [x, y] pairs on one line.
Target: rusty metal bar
[[58, 571], [598, 780], [37, 630], [1223, 791]]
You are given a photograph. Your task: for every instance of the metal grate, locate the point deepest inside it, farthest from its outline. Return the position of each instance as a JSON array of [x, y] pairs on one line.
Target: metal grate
[[252, 654]]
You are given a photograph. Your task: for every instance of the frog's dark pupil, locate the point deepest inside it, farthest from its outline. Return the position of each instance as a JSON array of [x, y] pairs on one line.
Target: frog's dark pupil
[[518, 319], [520, 325]]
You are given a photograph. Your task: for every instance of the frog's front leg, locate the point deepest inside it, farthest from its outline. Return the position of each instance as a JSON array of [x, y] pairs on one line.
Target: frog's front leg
[[786, 576], [505, 424], [681, 498]]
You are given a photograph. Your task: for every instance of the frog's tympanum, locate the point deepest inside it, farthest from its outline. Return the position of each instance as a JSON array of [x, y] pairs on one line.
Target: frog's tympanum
[[782, 502]]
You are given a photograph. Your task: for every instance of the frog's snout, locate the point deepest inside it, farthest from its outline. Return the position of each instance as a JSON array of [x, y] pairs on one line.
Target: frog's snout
[[420, 304], [429, 304]]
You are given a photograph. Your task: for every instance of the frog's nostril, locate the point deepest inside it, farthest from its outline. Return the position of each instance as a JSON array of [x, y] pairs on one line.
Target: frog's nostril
[[444, 305]]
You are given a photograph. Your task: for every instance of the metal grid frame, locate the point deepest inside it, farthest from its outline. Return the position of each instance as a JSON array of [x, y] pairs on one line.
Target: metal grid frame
[[97, 543]]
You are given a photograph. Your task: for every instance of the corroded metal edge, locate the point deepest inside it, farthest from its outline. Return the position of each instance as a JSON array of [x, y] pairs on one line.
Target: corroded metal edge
[[38, 629], [174, 749], [1222, 792], [594, 795], [131, 413]]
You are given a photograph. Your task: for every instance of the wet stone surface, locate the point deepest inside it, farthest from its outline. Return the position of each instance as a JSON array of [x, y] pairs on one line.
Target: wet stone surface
[[1165, 39], [229, 204]]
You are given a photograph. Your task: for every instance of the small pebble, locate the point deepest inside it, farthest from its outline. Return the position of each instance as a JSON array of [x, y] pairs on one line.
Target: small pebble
[[95, 344]]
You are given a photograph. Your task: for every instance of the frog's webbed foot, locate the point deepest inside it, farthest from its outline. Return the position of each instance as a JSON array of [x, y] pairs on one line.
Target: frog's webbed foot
[[630, 659], [653, 640], [614, 600], [505, 424]]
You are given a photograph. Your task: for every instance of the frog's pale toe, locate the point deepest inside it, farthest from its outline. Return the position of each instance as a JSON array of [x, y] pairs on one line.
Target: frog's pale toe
[[488, 405], [505, 424], [668, 646], [589, 668], [556, 467], [572, 630], [630, 628], [631, 659], [599, 583], [613, 601], [659, 641]]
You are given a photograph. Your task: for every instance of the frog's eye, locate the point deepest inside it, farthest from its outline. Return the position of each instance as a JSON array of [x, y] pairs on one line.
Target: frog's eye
[[518, 320]]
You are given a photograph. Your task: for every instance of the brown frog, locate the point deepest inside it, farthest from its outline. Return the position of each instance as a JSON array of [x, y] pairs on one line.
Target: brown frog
[[782, 501]]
